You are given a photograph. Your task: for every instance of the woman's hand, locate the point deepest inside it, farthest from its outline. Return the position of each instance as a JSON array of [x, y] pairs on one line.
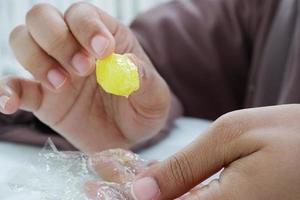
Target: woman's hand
[[259, 149], [60, 50]]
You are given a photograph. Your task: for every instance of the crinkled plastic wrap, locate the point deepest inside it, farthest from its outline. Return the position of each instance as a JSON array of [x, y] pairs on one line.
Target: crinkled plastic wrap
[[59, 175]]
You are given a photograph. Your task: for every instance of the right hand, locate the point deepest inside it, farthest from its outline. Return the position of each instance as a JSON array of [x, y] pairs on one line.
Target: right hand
[[258, 148], [59, 50]]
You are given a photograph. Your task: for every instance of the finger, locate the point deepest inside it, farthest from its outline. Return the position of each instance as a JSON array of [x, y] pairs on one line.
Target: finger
[[223, 143], [117, 165], [240, 180], [150, 83], [43, 68], [151, 101], [124, 39], [18, 93], [87, 27], [198, 187], [9, 99], [106, 191], [48, 28], [212, 191]]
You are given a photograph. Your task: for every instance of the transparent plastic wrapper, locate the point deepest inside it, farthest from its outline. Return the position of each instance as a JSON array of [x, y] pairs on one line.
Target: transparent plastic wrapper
[[61, 175]]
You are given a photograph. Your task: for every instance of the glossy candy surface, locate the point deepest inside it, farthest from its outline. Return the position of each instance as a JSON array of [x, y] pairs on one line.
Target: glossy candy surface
[[117, 75]]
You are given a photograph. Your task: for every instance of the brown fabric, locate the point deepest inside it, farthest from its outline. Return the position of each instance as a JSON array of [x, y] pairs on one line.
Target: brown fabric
[[217, 56], [23, 127]]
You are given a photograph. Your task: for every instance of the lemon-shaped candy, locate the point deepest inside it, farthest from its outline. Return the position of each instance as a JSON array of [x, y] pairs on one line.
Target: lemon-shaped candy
[[117, 75]]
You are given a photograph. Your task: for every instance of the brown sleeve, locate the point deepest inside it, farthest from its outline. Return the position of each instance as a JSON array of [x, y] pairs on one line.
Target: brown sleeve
[[23, 127], [203, 50]]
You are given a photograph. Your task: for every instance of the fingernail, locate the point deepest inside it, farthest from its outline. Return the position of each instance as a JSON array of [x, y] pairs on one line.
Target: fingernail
[[99, 44], [3, 101], [56, 78], [81, 63], [145, 189]]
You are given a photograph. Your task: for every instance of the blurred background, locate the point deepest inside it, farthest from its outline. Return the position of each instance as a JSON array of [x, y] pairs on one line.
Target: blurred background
[[12, 13]]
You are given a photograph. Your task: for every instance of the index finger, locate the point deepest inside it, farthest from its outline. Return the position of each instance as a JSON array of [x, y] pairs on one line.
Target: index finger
[[87, 27], [222, 144], [117, 165]]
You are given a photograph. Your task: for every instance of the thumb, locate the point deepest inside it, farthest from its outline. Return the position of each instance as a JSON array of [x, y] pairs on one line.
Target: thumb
[[150, 103], [220, 145], [212, 191], [153, 96]]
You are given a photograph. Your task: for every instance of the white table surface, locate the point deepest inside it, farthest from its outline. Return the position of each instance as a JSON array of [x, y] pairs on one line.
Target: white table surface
[[12, 156]]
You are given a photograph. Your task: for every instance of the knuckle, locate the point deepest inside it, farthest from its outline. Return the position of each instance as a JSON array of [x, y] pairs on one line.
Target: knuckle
[[181, 171], [224, 122], [123, 37], [82, 25], [229, 127], [88, 27], [57, 42], [121, 32], [76, 8], [15, 33], [72, 9], [36, 11]]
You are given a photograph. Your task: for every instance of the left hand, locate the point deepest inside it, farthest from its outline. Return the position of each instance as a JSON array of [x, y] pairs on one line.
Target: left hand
[[259, 149], [59, 50]]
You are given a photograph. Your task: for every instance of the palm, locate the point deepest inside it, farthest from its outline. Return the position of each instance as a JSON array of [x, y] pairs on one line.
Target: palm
[[75, 111], [90, 118]]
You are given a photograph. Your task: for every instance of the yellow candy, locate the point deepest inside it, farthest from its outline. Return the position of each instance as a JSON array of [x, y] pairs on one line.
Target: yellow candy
[[117, 75]]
